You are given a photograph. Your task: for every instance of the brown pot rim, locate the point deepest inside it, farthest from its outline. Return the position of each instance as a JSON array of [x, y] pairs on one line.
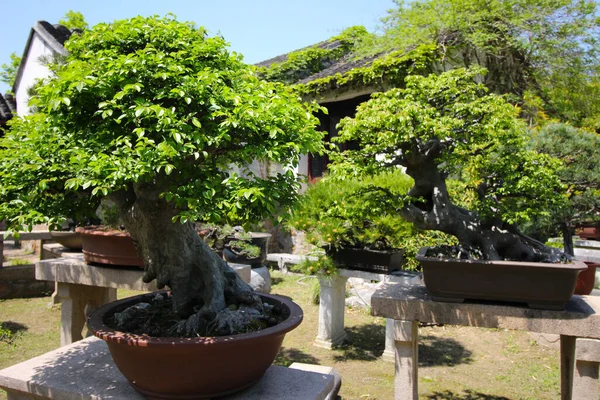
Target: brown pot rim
[[101, 330], [100, 230], [574, 264]]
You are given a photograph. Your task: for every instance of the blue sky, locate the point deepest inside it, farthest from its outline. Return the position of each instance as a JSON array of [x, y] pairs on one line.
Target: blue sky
[[258, 29]]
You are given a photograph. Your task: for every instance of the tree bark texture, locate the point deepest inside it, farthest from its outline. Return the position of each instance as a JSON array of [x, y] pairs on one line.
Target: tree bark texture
[[203, 285], [437, 212]]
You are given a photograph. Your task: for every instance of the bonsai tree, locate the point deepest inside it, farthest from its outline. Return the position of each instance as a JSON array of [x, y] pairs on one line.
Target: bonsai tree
[[447, 125], [360, 214], [151, 113], [579, 152]]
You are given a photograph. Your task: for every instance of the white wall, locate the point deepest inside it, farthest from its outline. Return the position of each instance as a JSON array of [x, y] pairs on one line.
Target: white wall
[[32, 71]]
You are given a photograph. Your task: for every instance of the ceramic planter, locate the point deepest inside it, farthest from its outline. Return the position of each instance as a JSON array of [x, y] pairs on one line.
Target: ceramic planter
[[190, 368], [378, 261], [590, 232], [586, 279], [257, 239], [103, 245], [71, 240], [540, 285]]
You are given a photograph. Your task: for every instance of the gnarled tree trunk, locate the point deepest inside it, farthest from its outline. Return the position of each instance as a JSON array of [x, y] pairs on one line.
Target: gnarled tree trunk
[[203, 285], [437, 212]]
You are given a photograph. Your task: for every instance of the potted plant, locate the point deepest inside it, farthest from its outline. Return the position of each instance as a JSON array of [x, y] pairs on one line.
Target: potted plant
[[235, 244], [447, 125], [108, 243], [151, 113], [357, 225]]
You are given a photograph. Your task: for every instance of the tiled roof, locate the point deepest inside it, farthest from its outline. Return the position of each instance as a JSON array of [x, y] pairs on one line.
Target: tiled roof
[[6, 108], [340, 66]]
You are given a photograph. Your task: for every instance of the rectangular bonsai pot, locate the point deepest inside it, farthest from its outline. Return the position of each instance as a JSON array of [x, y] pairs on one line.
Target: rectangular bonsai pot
[[541, 285], [378, 261]]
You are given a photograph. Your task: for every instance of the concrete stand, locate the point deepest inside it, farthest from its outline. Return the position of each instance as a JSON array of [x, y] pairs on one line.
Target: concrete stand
[[331, 312], [578, 326], [85, 370]]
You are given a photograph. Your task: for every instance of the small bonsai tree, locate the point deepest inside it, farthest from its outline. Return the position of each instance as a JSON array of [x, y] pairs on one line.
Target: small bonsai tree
[[447, 125], [151, 114], [579, 152], [360, 213]]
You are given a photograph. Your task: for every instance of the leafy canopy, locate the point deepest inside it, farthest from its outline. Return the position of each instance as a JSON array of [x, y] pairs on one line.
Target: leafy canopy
[[154, 102], [549, 47], [467, 133], [579, 152], [74, 20], [8, 72]]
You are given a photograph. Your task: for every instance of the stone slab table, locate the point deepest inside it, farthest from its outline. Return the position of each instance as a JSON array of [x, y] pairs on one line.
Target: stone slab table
[[82, 288], [578, 326], [85, 370]]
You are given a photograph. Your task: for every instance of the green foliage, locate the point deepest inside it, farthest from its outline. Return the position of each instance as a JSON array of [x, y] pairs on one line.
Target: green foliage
[[361, 213], [472, 136], [157, 103], [8, 72], [323, 266], [579, 152], [549, 47], [74, 20], [308, 61]]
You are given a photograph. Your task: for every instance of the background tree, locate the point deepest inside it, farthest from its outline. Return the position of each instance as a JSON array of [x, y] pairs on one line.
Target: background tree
[[74, 20], [444, 126], [151, 114], [549, 47], [579, 152], [8, 72]]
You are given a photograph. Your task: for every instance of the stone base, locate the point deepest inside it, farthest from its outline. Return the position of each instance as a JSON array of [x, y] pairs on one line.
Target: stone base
[[330, 343], [260, 279], [85, 370]]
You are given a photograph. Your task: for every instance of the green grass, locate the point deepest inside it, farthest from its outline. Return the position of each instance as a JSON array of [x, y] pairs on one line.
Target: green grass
[[455, 362]]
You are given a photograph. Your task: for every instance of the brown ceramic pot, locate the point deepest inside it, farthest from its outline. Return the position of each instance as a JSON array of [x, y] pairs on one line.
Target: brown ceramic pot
[[190, 368], [586, 279], [103, 245], [589, 232], [540, 285]]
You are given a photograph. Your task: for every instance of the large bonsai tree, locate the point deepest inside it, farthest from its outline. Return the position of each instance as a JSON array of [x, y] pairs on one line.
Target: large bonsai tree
[[152, 114], [447, 125]]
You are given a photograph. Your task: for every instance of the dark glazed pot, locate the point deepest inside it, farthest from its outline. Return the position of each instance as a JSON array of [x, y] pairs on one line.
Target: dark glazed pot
[[190, 368], [103, 245], [378, 261], [257, 239], [540, 285]]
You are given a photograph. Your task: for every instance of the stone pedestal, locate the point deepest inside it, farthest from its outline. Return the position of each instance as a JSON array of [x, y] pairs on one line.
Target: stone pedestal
[[331, 312], [260, 279]]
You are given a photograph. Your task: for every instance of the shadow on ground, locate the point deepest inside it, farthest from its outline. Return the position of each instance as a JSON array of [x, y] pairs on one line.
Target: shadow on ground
[[365, 342], [10, 331], [275, 280], [466, 395], [287, 356], [437, 351], [13, 327]]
